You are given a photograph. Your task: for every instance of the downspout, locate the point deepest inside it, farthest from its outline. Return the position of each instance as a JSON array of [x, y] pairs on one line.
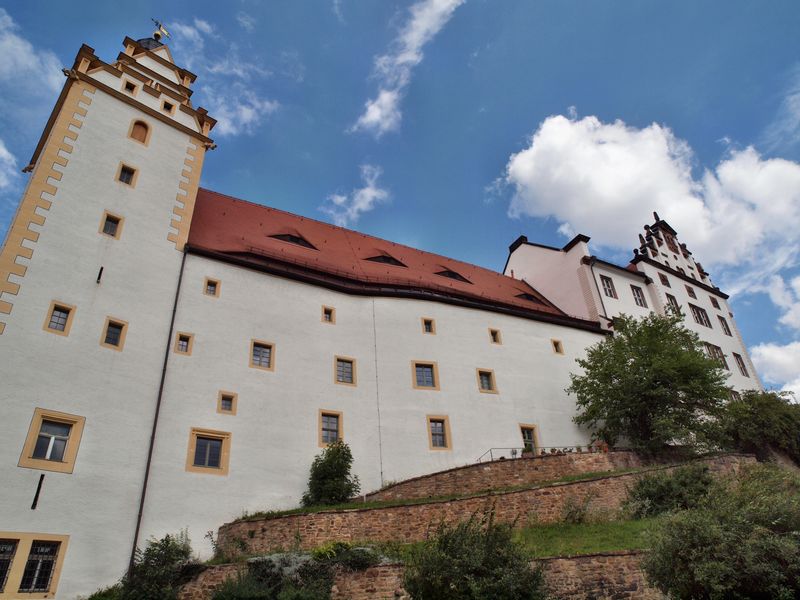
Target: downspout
[[155, 416], [377, 391], [597, 287]]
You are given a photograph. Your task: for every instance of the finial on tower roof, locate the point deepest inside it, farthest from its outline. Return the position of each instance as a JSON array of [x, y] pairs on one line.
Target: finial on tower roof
[[160, 31], [655, 215]]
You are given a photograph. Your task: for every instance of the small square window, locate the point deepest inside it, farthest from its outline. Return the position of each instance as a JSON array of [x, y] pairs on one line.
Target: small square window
[[130, 87], [558, 347], [691, 292], [127, 175], [59, 318], [168, 107], [328, 315], [714, 302], [330, 427], [428, 326], [262, 355], [495, 337], [184, 343], [111, 225], [211, 287], [664, 280], [52, 441], [425, 375], [486, 382], [439, 433], [226, 403], [209, 451], [114, 334], [345, 370]]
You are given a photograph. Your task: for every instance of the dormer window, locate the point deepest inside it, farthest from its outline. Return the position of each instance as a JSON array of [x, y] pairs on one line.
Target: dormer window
[[294, 239], [529, 298], [386, 260], [453, 275]]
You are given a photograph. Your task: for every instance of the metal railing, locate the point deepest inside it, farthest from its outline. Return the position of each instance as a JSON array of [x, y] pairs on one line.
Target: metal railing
[[510, 453]]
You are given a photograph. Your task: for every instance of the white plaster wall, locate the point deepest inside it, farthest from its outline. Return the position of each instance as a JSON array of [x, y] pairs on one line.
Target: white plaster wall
[[624, 302], [274, 433], [97, 504]]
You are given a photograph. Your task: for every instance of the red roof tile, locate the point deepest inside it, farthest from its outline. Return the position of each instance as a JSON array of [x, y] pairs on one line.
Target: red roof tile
[[231, 229]]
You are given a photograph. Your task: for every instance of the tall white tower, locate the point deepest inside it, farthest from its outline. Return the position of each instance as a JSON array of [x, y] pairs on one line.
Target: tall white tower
[[88, 279]]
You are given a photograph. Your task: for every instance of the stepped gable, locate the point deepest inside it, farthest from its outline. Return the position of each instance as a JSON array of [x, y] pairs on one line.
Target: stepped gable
[[283, 243]]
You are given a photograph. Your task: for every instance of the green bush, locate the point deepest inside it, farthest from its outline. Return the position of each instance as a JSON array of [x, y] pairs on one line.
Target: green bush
[[110, 593], [280, 577], [665, 491], [159, 569], [576, 511], [741, 541], [477, 559], [762, 421], [330, 481]]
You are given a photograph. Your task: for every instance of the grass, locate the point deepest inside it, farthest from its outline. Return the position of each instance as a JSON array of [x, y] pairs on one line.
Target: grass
[[567, 539]]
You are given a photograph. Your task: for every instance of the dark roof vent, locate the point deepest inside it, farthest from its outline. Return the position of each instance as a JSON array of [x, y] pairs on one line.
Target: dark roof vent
[[453, 275], [530, 298], [294, 239], [386, 260]]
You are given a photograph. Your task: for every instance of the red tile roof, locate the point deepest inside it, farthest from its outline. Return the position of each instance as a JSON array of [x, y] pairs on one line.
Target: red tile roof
[[242, 232]]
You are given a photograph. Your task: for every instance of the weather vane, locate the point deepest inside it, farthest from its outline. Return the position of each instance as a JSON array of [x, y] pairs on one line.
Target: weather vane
[[161, 30]]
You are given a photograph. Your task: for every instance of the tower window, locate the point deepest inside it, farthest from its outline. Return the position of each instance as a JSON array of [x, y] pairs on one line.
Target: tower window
[[495, 337], [425, 375], [638, 296], [168, 107], [114, 334], [127, 175], [691, 292], [130, 87], [226, 403], [139, 132], [486, 382], [608, 286], [111, 225], [262, 355], [664, 280], [428, 326], [211, 287], [59, 318], [700, 315], [328, 315], [558, 347], [184, 343], [528, 438], [714, 302], [741, 365], [716, 353], [673, 303], [345, 370], [724, 324]]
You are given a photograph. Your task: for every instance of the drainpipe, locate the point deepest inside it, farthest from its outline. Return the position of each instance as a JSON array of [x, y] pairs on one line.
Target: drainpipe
[[155, 416]]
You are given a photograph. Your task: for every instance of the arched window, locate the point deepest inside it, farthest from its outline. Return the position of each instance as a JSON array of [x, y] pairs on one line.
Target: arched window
[[139, 131]]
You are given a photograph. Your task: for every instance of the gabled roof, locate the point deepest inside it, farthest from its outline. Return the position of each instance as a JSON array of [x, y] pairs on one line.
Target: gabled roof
[[241, 232]]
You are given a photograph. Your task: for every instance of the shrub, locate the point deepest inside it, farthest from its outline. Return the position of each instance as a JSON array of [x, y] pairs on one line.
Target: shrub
[[346, 556], [159, 569], [280, 577], [477, 559], [576, 511], [665, 491], [330, 481], [110, 593], [739, 542]]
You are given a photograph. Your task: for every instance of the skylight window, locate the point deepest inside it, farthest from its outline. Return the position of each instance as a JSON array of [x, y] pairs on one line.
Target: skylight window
[[385, 259], [529, 297], [294, 239], [453, 275]]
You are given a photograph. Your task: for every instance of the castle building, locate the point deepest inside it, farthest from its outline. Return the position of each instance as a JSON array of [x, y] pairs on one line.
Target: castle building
[[173, 357]]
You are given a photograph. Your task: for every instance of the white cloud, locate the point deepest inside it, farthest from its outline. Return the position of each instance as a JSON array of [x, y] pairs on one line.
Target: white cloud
[[393, 70], [784, 131], [346, 209], [337, 10], [8, 168], [786, 296], [22, 64], [247, 22], [778, 364], [237, 111]]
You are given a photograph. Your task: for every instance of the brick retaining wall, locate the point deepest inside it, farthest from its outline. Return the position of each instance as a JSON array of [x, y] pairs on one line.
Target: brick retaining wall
[[481, 477], [413, 523]]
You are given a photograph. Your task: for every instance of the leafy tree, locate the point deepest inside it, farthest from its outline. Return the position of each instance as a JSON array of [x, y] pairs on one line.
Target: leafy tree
[[650, 383], [474, 560], [330, 481], [740, 542], [763, 421]]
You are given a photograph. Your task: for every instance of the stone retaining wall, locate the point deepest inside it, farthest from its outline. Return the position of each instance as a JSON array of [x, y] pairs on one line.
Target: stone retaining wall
[[412, 523], [482, 477]]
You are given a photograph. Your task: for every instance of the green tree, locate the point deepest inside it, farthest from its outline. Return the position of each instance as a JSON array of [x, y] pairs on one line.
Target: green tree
[[650, 383], [474, 560], [159, 569], [763, 421], [330, 481], [740, 542]]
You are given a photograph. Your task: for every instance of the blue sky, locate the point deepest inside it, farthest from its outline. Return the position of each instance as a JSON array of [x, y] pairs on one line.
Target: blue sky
[[455, 126]]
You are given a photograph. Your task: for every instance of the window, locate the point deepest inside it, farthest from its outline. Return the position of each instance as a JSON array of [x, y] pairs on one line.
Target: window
[[294, 239], [450, 274], [700, 315], [438, 432], [184, 342], [724, 324], [330, 427], [690, 291], [638, 296], [262, 355], [558, 347], [608, 286], [672, 302], [664, 280], [59, 318], [529, 438], [114, 334], [529, 297], [345, 370], [127, 175], [209, 451], [226, 403], [714, 303], [486, 382], [329, 315], [425, 375], [52, 441], [140, 132], [680, 270], [495, 337], [740, 363], [428, 326], [30, 564], [715, 352], [130, 87], [40, 567], [111, 225], [386, 260], [168, 107], [7, 550], [211, 287]]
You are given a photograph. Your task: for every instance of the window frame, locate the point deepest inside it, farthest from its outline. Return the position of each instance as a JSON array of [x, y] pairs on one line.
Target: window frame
[[56, 304], [535, 428], [225, 451], [19, 561], [664, 280], [690, 291], [123, 334], [134, 178], [495, 336], [120, 222], [252, 365], [638, 295], [715, 352], [448, 438], [217, 285], [697, 310], [739, 360], [339, 426], [607, 284], [67, 464], [352, 362], [715, 303], [427, 363], [172, 103], [492, 380], [672, 301], [325, 309], [124, 88], [190, 347], [723, 323], [557, 346], [234, 402], [146, 141], [424, 321]]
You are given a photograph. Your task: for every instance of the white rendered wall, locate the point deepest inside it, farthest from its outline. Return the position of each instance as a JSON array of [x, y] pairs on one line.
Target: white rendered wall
[[115, 391], [624, 303], [275, 430]]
